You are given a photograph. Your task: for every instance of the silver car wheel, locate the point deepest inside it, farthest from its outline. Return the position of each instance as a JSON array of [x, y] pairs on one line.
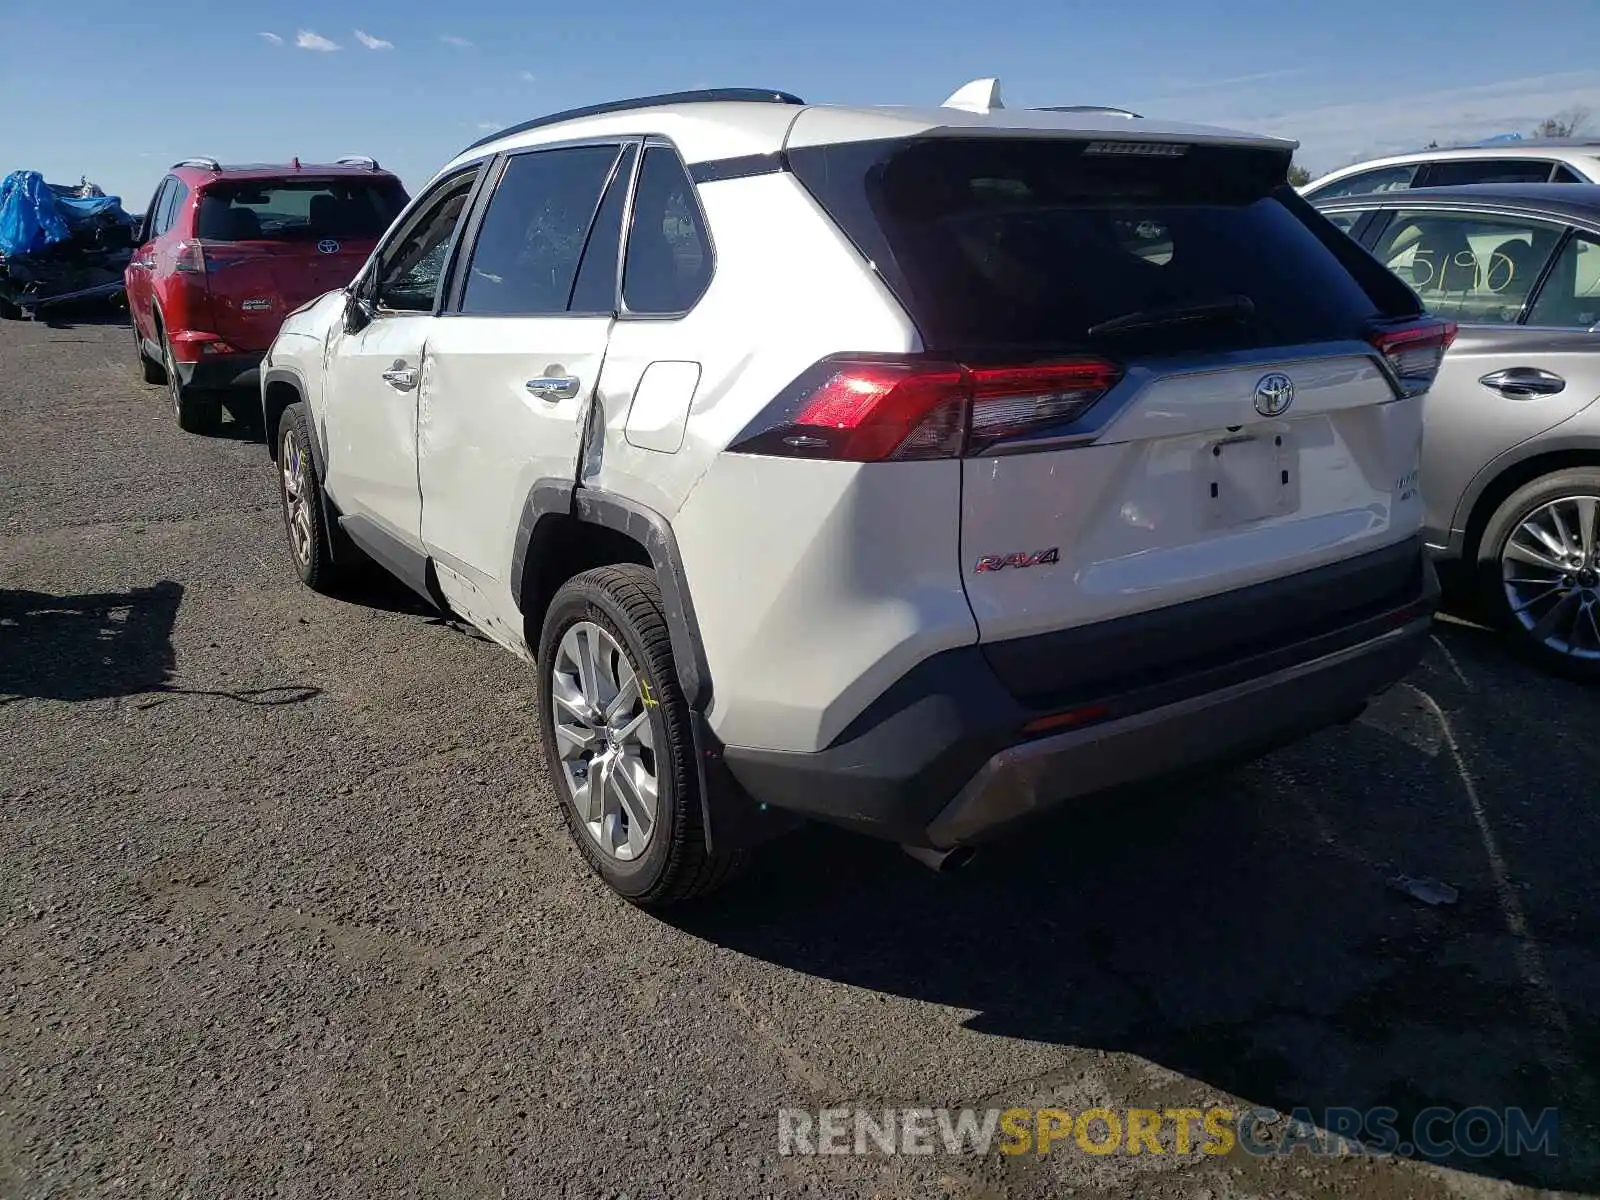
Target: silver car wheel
[[296, 498], [1550, 569], [607, 746]]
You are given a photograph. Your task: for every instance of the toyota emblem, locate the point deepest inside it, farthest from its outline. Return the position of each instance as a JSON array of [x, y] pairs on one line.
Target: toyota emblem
[[328, 246], [1274, 395]]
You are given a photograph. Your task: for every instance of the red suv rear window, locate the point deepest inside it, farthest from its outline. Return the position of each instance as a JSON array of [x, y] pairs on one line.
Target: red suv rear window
[[299, 209]]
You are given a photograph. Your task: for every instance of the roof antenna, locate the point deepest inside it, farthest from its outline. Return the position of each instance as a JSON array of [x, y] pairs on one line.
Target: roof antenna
[[979, 96]]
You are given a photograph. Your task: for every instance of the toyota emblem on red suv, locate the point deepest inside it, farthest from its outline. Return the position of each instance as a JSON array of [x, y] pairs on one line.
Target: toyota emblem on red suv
[[327, 246]]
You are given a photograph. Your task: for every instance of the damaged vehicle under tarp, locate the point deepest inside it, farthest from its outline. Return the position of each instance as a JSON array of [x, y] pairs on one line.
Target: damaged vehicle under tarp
[[59, 243]]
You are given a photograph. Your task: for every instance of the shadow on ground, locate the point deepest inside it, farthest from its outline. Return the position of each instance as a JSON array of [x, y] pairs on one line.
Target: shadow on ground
[[101, 645], [1243, 932]]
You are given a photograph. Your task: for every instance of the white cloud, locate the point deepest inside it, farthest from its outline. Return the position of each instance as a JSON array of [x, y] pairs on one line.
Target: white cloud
[[1233, 81], [271, 37], [525, 76], [307, 40], [487, 125], [460, 43], [372, 43], [1333, 134]]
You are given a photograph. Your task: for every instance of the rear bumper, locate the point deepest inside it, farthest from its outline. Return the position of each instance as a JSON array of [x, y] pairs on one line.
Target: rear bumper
[[943, 759], [218, 371]]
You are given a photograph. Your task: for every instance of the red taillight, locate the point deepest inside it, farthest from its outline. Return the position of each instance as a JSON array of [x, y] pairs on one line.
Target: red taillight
[[189, 258], [858, 410], [1414, 351]]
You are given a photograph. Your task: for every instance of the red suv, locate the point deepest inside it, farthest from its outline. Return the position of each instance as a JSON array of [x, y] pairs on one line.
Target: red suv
[[227, 252]]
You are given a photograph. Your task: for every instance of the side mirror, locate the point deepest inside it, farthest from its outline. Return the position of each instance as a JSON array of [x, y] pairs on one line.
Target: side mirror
[[357, 312]]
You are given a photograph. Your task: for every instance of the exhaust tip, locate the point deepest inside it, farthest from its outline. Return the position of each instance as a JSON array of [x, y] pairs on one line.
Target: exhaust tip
[[942, 862]]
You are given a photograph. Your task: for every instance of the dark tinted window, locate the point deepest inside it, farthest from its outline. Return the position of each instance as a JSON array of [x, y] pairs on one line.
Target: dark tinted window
[[1381, 179], [414, 260], [596, 289], [151, 225], [1028, 243], [299, 210], [1565, 174], [526, 256], [176, 191], [1570, 297], [1460, 172], [669, 255]]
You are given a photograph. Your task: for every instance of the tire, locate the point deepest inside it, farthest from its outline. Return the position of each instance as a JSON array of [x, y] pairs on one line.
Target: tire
[[1549, 605], [300, 497], [623, 603], [151, 371], [196, 411]]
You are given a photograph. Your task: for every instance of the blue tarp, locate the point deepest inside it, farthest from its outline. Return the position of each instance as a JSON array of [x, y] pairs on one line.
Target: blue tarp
[[30, 215], [35, 215]]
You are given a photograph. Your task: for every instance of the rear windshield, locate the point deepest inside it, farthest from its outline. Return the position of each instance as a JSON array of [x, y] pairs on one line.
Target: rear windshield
[[359, 209], [1031, 243]]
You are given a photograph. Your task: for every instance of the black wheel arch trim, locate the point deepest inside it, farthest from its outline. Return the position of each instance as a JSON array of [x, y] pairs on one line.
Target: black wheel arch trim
[[292, 377], [550, 500]]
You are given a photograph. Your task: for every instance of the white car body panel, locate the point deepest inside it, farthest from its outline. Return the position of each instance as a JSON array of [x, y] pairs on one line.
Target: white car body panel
[[818, 584], [1131, 515], [1583, 161], [484, 440]]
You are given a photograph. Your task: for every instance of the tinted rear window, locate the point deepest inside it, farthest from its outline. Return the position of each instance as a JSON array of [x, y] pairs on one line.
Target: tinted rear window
[[1013, 243], [357, 209]]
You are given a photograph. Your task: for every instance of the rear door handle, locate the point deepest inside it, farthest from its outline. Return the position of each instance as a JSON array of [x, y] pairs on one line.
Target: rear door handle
[[1521, 383], [554, 387], [401, 377]]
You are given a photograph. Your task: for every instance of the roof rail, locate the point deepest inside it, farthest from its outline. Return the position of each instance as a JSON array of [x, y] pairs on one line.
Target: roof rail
[[357, 160], [208, 164], [702, 96], [1103, 109]]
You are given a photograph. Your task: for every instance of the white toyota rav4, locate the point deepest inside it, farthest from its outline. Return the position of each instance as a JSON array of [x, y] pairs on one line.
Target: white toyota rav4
[[917, 470]]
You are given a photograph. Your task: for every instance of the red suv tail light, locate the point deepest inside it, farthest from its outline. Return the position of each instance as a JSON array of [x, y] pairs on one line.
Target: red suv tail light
[[1414, 351], [189, 258], [889, 409]]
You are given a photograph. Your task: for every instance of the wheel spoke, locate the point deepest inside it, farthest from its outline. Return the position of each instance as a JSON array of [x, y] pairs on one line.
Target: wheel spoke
[[583, 799], [636, 797], [1550, 590], [627, 694], [1587, 534], [1556, 548], [1529, 556], [1594, 626], [1545, 629], [578, 649], [574, 741], [633, 728]]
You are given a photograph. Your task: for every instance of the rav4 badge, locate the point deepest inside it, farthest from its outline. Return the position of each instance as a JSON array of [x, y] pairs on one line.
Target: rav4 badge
[[1039, 558]]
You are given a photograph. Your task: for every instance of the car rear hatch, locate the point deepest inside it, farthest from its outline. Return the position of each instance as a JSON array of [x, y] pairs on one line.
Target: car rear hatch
[[1169, 380], [270, 245]]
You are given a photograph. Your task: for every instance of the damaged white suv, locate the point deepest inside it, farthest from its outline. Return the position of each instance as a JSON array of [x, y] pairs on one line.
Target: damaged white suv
[[918, 470]]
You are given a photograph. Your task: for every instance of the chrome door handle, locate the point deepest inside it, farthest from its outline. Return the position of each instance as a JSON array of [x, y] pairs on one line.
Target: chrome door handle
[[554, 387], [1519, 383], [401, 377]]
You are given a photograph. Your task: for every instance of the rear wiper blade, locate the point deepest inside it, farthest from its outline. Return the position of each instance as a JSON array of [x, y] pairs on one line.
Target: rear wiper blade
[[1228, 308]]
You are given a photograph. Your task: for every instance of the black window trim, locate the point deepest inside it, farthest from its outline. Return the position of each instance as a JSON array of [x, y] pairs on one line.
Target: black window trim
[[1494, 212], [624, 313], [638, 145], [365, 284], [472, 225]]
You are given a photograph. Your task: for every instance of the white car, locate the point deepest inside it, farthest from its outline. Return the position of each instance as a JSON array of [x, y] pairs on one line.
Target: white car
[[918, 470], [1526, 160]]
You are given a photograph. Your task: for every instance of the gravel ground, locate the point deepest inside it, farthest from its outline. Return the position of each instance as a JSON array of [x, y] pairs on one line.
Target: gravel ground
[[288, 909]]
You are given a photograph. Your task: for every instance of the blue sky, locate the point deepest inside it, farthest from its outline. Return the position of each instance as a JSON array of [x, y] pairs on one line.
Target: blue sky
[[119, 89]]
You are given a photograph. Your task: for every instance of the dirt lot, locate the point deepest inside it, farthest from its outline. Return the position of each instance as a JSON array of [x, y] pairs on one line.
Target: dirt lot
[[288, 910]]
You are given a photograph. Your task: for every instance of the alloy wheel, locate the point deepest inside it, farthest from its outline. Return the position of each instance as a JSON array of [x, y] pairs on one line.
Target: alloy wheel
[[296, 497], [1550, 569], [607, 745]]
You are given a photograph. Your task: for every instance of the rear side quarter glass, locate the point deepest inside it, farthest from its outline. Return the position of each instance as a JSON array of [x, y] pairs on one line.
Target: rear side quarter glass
[[669, 260], [1027, 243]]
